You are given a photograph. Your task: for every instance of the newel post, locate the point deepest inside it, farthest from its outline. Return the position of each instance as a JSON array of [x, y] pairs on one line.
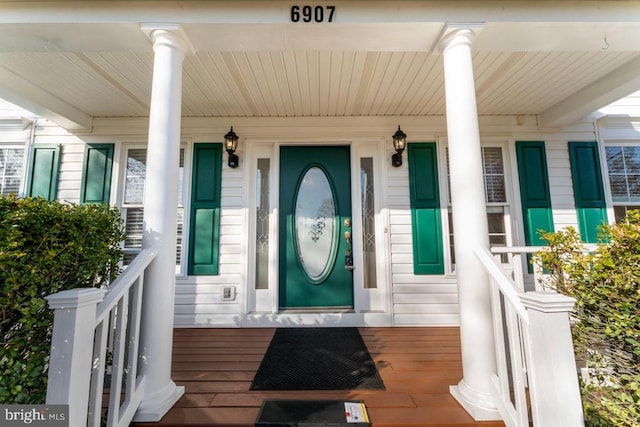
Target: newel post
[[553, 376], [72, 350]]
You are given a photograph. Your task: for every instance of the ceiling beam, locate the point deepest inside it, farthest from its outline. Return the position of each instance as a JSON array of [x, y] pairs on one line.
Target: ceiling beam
[[616, 85], [38, 100]]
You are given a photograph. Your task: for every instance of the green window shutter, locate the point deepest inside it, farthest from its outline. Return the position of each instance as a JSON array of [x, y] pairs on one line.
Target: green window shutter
[[428, 254], [42, 179], [534, 190], [204, 227], [96, 173], [587, 188]]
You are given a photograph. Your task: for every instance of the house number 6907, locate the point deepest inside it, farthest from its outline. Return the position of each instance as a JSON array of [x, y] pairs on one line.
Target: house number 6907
[[312, 13]]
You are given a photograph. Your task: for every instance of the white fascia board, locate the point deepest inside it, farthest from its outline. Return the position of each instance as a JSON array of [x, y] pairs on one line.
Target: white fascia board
[[39, 101], [621, 82], [346, 11]]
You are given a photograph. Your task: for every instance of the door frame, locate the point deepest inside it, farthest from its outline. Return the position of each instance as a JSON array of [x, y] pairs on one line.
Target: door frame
[[371, 306]]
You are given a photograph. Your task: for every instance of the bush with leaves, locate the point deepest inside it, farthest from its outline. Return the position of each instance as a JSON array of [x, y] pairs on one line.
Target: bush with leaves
[[46, 247], [606, 327]]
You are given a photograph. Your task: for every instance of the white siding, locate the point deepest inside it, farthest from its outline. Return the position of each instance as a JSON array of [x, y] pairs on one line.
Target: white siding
[[413, 300], [199, 298], [417, 299], [560, 185]]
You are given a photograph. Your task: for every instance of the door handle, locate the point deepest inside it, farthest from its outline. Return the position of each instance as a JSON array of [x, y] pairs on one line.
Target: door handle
[[348, 258]]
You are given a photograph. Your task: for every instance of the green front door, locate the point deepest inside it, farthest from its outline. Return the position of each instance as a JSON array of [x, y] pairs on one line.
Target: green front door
[[315, 214]]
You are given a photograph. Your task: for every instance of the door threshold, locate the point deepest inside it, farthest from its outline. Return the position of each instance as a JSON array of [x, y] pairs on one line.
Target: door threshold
[[314, 310]]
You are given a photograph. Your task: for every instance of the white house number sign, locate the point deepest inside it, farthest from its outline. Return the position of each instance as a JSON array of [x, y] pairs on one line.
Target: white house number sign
[[309, 13]]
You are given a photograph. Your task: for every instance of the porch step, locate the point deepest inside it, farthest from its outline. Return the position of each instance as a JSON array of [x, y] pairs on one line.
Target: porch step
[[303, 413]]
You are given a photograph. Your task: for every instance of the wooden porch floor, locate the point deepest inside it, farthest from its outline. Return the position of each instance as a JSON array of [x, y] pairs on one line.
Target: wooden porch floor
[[417, 365]]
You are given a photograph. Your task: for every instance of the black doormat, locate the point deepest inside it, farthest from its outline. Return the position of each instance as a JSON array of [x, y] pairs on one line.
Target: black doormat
[[317, 359], [298, 413]]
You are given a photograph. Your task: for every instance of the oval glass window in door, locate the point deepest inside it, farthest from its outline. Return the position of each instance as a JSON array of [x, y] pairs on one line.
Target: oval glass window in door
[[314, 223]]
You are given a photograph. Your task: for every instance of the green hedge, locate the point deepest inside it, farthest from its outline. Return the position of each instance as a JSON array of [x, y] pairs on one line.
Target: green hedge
[[606, 330], [46, 247]]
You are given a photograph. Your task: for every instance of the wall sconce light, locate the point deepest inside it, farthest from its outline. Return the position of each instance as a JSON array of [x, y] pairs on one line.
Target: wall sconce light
[[399, 144], [231, 144]]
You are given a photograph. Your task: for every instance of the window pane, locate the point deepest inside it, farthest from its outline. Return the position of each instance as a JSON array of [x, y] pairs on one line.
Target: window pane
[[631, 159], [619, 212], [493, 175], [493, 160], [262, 224], [618, 185], [494, 188], [634, 187], [133, 227], [623, 164], [496, 222], [134, 181], [10, 186], [615, 162], [368, 221], [10, 170], [497, 230]]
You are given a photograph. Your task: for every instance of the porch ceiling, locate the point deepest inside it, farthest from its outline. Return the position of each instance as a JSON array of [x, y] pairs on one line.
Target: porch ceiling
[[81, 70]]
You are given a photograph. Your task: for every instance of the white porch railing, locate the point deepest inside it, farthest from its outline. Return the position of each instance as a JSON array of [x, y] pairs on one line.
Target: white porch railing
[[94, 330], [534, 351]]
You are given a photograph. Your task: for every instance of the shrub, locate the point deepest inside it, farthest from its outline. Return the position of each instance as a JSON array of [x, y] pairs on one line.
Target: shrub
[[606, 327], [46, 247]]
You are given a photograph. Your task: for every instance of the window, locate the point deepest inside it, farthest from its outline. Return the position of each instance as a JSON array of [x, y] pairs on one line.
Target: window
[[495, 195], [623, 164], [133, 208], [262, 223], [11, 161], [367, 196]]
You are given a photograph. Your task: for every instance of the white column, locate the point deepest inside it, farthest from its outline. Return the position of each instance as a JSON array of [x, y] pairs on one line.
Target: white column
[[160, 216], [469, 226]]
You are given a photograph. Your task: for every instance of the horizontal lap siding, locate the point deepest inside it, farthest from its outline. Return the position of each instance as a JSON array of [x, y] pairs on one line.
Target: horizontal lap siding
[[71, 158], [416, 300], [426, 300], [560, 185], [199, 298], [70, 177]]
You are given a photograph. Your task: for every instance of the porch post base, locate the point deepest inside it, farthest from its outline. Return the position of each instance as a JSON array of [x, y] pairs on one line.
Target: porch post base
[[479, 405], [155, 407]]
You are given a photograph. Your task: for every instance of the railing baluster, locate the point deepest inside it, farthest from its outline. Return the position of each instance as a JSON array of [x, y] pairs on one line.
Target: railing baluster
[[517, 369], [134, 336], [118, 361], [97, 374], [499, 337]]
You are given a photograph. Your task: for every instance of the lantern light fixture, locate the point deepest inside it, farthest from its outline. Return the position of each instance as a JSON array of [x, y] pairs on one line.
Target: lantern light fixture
[[399, 144], [231, 144]]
